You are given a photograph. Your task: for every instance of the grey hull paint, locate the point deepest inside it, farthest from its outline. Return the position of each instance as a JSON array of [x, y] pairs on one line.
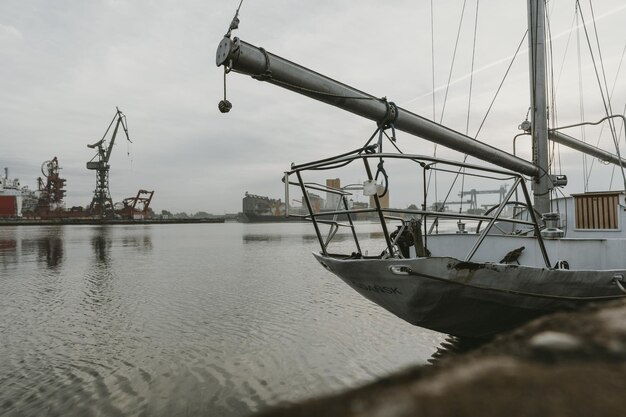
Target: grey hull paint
[[470, 299]]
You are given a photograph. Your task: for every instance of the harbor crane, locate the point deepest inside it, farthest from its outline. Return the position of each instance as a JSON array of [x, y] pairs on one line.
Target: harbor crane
[[136, 207], [51, 190], [102, 204], [473, 193]]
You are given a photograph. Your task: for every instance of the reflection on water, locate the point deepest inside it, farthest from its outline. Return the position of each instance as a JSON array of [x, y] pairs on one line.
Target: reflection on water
[[101, 242], [46, 245], [99, 278], [50, 247], [142, 243], [8, 253], [161, 320], [252, 238]]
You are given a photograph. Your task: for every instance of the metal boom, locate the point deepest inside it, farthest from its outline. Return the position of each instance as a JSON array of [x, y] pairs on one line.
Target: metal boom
[[244, 58]]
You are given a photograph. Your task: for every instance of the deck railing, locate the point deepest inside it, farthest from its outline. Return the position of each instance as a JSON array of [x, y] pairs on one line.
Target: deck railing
[[345, 216]]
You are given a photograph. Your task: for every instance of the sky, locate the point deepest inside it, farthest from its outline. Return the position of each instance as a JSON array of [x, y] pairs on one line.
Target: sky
[[67, 64]]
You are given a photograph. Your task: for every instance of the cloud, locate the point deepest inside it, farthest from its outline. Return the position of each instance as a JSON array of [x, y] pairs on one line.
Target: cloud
[[10, 33], [67, 64]]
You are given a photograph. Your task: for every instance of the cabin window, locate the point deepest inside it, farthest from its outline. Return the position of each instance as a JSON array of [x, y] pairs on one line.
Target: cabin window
[[596, 210]]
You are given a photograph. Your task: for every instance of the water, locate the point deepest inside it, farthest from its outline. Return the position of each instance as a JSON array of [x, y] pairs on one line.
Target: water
[[168, 320]]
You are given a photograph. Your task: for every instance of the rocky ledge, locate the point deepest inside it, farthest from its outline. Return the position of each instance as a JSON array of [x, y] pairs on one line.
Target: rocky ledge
[[565, 364]]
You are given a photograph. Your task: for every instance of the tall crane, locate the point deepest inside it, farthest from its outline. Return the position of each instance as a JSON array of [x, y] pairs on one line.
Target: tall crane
[[51, 190], [102, 204], [473, 193]]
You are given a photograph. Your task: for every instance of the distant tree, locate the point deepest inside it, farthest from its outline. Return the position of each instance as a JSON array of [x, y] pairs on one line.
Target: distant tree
[[412, 207], [201, 215], [181, 215], [166, 213]]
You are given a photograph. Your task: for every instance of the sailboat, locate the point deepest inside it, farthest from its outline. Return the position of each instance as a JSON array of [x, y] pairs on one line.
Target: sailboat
[[526, 257]]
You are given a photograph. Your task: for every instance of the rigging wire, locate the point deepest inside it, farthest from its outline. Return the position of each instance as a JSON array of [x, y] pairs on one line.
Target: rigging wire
[[620, 135], [581, 101], [456, 44], [558, 81], [624, 112], [567, 44], [445, 99], [446, 96], [555, 154], [489, 109], [552, 113], [432, 54], [471, 83], [432, 60], [469, 99], [606, 86], [619, 67], [605, 99], [500, 86]]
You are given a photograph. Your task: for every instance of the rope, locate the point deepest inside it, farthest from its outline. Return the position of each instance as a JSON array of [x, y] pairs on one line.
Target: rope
[[391, 115], [224, 105], [266, 75], [323, 93], [381, 170]]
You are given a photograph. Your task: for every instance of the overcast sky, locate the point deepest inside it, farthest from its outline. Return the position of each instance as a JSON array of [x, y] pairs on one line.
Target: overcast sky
[[66, 64]]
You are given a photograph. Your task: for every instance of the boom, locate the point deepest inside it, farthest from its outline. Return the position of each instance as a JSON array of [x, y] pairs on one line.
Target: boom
[[239, 56]]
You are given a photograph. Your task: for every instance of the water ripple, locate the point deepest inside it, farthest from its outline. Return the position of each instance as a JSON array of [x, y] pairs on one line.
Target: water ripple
[[159, 321]]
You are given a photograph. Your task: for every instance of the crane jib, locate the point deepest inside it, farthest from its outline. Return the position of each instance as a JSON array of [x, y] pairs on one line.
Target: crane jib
[[239, 56]]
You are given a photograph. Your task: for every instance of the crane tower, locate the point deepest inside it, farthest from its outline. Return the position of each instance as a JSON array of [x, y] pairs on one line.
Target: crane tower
[[51, 191], [102, 204]]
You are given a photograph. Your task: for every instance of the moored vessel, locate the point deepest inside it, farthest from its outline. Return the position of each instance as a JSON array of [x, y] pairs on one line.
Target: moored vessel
[[523, 257]]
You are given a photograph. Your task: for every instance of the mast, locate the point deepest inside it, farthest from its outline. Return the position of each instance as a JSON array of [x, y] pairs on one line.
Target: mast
[[538, 102]]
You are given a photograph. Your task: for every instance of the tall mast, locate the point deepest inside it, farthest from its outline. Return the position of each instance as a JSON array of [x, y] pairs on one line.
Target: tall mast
[[538, 102]]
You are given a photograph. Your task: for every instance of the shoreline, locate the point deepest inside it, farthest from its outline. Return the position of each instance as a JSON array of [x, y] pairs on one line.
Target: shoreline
[[55, 222]]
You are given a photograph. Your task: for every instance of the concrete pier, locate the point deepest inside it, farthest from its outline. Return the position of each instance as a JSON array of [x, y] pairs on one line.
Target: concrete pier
[[565, 364]]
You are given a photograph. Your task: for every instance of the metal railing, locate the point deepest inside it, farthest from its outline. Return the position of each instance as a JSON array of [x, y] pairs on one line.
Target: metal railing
[[344, 216]]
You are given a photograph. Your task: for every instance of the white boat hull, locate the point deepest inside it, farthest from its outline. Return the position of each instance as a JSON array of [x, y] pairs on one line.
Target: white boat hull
[[468, 299]]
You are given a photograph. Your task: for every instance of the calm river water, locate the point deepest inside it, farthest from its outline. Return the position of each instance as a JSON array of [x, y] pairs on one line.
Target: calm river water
[[197, 319]]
